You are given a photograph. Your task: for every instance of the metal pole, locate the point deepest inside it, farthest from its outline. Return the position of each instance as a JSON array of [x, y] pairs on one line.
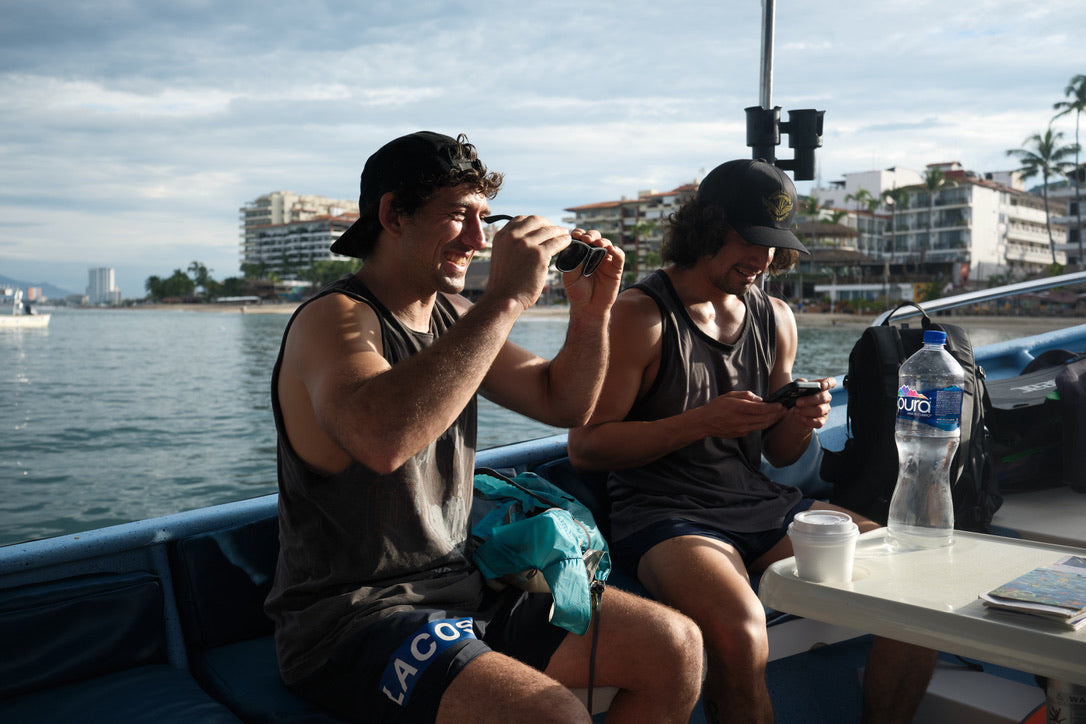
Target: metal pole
[[766, 71], [768, 17]]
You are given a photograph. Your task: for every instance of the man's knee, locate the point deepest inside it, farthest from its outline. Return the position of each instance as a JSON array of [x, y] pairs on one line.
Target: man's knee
[[683, 637], [738, 640], [680, 667], [674, 655]]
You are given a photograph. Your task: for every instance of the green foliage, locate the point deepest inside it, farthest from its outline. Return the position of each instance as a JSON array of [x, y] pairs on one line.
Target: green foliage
[[257, 271], [1043, 155], [928, 290], [178, 285], [232, 287], [197, 282], [327, 271], [1075, 92]]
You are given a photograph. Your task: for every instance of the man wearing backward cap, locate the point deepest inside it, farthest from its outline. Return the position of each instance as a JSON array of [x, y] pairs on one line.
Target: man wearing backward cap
[[380, 613]]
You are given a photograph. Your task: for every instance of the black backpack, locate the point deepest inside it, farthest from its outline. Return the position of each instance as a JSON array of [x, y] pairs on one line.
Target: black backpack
[[864, 473]]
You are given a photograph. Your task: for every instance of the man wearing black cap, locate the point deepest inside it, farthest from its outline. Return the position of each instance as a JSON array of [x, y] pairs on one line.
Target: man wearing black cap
[[380, 614], [682, 425]]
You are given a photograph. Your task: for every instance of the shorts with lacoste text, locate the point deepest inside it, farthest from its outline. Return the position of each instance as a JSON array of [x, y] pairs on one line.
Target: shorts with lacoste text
[[397, 669]]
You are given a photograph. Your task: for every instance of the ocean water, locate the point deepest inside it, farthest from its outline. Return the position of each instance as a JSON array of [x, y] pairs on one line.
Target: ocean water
[[110, 416]]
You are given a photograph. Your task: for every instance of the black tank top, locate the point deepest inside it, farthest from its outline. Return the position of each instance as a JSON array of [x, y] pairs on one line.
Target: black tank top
[[714, 481], [356, 544]]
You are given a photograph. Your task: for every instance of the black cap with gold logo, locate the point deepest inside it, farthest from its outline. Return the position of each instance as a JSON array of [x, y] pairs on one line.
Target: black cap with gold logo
[[759, 200]]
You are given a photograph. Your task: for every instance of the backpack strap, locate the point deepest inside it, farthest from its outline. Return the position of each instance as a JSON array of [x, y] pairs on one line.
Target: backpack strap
[[926, 321]]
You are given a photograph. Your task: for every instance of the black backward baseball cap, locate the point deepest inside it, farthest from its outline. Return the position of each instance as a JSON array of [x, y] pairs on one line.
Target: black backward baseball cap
[[415, 158], [759, 200]]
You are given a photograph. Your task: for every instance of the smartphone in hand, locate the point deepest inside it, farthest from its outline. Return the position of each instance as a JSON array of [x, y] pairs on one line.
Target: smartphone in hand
[[795, 389]]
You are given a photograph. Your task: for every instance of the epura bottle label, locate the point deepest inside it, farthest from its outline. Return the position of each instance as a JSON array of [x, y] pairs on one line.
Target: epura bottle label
[[938, 408]]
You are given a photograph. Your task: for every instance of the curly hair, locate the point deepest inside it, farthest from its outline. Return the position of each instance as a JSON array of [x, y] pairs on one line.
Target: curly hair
[[411, 198], [698, 230]]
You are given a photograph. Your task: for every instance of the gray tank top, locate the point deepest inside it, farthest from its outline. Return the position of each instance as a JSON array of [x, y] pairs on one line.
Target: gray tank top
[[712, 481], [356, 544]]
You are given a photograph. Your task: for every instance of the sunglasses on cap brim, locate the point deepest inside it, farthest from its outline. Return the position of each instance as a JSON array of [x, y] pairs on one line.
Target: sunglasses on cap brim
[[577, 254]]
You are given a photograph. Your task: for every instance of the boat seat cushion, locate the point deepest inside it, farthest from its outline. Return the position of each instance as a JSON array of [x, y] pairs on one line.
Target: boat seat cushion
[[245, 677], [156, 693], [63, 631], [93, 648], [222, 578]]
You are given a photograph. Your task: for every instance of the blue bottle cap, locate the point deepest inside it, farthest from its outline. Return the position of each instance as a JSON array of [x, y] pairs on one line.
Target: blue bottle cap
[[934, 336]]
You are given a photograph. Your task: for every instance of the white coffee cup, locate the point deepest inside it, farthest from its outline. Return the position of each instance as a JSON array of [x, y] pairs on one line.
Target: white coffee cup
[[824, 543]]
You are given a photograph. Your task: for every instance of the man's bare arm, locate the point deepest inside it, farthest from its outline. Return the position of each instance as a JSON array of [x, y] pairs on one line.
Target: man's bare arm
[[563, 391], [608, 441], [334, 377], [786, 441]]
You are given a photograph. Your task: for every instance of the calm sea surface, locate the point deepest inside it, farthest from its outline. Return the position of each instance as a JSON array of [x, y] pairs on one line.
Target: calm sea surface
[[110, 416]]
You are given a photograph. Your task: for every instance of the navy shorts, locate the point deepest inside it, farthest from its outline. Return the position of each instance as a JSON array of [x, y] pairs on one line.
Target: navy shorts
[[397, 669], [750, 546]]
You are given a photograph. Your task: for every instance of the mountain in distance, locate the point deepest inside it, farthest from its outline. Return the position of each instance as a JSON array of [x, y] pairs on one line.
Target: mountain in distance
[[49, 290]]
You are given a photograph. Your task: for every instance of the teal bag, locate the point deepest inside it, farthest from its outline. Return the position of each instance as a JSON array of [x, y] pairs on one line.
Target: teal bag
[[536, 530]]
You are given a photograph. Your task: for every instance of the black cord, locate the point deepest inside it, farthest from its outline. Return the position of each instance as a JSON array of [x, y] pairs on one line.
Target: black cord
[[596, 588]]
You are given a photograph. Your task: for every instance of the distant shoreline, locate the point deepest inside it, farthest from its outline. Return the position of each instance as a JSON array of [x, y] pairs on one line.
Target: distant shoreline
[[1034, 324]]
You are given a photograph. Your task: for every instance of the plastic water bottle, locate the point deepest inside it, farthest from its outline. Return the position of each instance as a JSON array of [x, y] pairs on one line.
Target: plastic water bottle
[[929, 411]]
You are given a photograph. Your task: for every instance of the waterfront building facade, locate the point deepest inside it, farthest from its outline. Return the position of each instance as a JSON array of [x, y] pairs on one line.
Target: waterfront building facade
[[291, 247], [972, 228], [1071, 193], [102, 287], [282, 229], [637, 225], [970, 231]]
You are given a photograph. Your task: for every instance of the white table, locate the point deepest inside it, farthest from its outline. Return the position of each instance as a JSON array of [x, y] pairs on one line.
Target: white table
[[929, 598]]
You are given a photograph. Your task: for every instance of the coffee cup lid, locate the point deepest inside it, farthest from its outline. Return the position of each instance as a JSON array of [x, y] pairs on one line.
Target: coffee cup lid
[[824, 522]]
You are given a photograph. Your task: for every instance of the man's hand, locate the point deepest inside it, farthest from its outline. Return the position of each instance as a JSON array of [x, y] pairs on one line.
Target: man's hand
[[521, 253], [735, 414], [597, 292], [813, 411]]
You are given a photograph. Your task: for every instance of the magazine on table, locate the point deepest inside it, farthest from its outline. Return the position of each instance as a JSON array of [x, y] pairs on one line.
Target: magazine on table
[[1056, 591]]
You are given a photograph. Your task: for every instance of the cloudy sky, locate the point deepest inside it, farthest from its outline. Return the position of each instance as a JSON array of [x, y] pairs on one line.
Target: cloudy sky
[[131, 131]]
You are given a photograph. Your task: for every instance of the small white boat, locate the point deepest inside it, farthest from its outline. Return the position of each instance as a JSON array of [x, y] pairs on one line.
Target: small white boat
[[14, 312]]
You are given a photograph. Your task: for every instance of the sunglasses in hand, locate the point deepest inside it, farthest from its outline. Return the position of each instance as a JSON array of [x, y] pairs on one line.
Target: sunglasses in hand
[[577, 254]]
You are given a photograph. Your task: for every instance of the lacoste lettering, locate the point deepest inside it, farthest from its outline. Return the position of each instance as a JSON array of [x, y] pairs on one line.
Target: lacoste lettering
[[418, 651]]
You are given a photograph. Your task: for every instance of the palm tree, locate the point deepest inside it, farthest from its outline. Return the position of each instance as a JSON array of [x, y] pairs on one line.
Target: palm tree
[[836, 216], [810, 207], [1047, 158], [934, 179], [1076, 93]]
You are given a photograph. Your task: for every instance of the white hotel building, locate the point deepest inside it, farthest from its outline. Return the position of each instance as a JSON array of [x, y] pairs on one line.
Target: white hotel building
[[285, 231], [971, 229]]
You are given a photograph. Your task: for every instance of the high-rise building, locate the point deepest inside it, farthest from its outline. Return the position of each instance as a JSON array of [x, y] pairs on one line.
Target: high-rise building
[[282, 229], [101, 287]]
